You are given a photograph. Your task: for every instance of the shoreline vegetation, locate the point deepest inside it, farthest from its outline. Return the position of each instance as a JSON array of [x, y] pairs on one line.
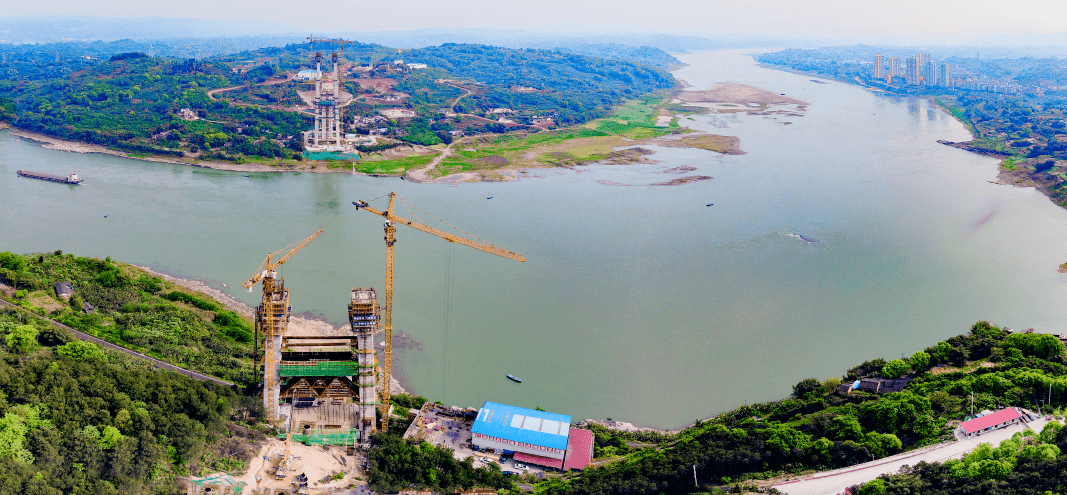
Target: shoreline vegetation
[[1023, 126], [900, 405], [621, 139]]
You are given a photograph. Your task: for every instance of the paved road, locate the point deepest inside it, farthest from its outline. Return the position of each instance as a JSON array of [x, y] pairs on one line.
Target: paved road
[[103, 343], [834, 482]]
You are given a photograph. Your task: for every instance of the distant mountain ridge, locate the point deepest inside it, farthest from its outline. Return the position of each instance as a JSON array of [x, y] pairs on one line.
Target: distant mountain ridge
[[45, 29]]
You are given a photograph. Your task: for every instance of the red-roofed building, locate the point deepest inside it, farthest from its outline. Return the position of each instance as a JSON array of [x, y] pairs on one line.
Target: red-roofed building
[[579, 449], [999, 419], [579, 453], [540, 461]]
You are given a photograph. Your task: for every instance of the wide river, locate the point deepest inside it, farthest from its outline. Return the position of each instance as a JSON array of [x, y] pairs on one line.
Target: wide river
[[637, 303]]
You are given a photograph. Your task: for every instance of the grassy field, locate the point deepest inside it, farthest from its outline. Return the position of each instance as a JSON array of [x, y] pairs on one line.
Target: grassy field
[[595, 141]]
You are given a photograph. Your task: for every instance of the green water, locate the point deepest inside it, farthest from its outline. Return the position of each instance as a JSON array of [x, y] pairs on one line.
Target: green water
[[637, 303]]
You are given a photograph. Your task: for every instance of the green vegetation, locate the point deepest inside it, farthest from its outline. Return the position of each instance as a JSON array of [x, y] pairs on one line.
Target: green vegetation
[[397, 464], [76, 419], [1027, 463], [135, 310], [820, 428], [134, 103]]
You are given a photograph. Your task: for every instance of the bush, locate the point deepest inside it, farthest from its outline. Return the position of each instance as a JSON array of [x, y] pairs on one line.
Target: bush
[[80, 351], [22, 338], [895, 368], [805, 387], [191, 300]]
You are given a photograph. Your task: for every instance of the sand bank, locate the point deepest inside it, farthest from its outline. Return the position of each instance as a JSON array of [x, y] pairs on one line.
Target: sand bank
[[737, 93]]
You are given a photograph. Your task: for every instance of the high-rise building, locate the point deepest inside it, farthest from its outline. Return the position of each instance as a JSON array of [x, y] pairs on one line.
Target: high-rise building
[[944, 76], [911, 75], [879, 66], [922, 60], [894, 69], [930, 74]]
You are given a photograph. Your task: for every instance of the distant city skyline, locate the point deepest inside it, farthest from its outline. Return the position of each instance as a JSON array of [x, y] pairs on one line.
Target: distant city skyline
[[942, 21]]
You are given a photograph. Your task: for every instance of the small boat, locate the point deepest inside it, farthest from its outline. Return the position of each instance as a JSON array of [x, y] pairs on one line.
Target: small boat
[[709, 204], [105, 215], [490, 197], [244, 176], [514, 379]]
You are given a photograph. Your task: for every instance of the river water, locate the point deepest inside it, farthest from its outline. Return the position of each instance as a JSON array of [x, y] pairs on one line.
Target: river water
[[637, 303]]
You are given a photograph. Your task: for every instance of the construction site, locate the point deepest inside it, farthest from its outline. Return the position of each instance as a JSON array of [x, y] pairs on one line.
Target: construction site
[[328, 100], [326, 391]]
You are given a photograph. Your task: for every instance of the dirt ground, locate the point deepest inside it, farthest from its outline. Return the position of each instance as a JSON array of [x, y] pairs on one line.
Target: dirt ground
[[315, 462], [43, 300]]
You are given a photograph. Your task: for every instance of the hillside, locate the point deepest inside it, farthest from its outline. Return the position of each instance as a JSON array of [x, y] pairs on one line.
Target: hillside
[[245, 107], [78, 419]]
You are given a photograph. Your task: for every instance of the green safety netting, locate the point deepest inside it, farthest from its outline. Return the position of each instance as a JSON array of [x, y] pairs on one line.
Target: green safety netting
[[329, 155], [335, 368], [336, 437]]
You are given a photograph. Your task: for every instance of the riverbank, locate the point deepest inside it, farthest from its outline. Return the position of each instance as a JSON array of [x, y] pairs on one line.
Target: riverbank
[[1015, 169], [59, 144], [298, 325], [509, 157]]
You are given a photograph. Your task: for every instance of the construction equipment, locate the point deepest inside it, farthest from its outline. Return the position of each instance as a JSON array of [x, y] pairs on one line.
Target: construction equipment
[[390, 239], [329, 115], [272, 317]]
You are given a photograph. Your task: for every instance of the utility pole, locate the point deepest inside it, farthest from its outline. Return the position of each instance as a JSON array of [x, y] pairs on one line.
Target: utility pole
[[695, 475], [972, 403]]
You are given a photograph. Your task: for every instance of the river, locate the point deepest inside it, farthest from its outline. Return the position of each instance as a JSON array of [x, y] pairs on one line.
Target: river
[[637, 303]]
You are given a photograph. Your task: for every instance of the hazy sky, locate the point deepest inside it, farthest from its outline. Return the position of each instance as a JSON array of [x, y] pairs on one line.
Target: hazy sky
[[931, 20]]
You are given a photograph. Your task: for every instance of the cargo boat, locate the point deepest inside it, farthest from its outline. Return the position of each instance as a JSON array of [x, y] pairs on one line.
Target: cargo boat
[[70, 179], [515, 379]]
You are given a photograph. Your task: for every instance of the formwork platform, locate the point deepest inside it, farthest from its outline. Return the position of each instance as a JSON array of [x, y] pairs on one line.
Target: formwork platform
[[363, 316], [322, 368]]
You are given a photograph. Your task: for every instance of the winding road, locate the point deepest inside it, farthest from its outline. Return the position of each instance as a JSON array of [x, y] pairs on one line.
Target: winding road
[[103, 343], [835, 482]]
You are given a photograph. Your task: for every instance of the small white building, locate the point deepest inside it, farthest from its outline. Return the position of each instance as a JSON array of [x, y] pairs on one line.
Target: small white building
[[308, 75]]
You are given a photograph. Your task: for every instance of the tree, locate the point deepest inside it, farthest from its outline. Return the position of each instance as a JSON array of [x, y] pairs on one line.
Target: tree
[[22, 338], [873, 487], [805, 387], [942, 352], [895, 368], [80, 350], [109, 437], [919, 361]]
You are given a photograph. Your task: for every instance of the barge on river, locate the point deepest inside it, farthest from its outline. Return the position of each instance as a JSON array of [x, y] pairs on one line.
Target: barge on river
[[69, 179]]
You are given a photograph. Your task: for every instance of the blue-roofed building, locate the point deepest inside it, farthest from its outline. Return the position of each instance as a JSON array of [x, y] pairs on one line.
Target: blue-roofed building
[[517, 429]]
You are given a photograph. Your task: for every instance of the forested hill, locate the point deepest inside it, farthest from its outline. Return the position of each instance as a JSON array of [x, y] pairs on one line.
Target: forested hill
[[133, 102], [544, 69], [643, 54]]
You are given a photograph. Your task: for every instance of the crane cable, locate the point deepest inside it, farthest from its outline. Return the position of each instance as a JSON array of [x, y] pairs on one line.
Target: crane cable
[[449, 297], [483, 241]]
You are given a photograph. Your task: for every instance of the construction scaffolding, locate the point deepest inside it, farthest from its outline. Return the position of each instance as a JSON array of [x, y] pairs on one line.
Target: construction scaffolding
[[272, 318], [363, 315], [328, 134]]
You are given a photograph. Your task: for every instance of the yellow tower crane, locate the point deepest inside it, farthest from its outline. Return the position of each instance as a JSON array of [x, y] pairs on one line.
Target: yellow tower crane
[[272, 316], [387, 321]]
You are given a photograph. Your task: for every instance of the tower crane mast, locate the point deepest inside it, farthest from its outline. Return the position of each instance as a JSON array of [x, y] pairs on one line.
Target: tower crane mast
[[272, 317], [391, 219]]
